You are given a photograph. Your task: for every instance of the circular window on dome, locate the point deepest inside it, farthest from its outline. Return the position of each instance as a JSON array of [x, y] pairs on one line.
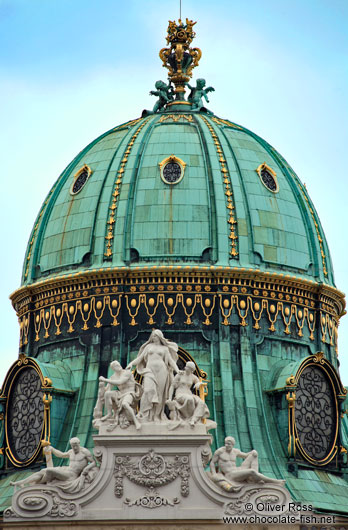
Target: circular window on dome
[[80, 179], [268, 177], [172, 169], [25, 416]]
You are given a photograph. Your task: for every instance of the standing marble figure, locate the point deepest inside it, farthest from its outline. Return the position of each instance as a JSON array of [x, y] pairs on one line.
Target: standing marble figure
[[156, 362]]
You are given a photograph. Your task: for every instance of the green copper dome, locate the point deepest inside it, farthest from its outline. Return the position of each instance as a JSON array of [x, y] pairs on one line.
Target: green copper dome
[[194, 225], [237, 204]]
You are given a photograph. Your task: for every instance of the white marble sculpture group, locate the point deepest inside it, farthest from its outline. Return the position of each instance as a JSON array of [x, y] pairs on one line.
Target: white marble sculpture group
[[164, 387], [139, 426]]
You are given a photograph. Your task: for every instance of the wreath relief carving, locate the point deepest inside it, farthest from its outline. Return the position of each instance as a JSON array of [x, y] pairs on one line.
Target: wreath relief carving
[[152, 470]]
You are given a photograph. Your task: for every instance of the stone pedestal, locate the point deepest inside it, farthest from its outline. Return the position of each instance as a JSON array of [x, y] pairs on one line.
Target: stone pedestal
[[145, 476]]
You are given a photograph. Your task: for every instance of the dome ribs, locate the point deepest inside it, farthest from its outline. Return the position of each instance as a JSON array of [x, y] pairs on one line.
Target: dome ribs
[[110, 230], [313, 213], [233, 234], [317, 231]]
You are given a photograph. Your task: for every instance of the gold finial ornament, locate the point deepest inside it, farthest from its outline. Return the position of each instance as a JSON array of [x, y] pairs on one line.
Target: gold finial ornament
[[180, 58], [47, 382], [291, 380]]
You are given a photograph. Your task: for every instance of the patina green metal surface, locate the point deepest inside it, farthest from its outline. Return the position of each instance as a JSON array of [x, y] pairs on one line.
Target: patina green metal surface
[[188, 222], [156, 224], [124, 250], [218, 218]]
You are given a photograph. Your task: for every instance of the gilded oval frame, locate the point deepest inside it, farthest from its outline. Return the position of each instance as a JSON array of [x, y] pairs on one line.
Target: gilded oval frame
[[76, 176], [24, 363], [339, 393], [169, 159], [265, 166]]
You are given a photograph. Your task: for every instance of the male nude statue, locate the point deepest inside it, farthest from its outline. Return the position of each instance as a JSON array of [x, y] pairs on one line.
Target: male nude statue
[[80, 462], [125, 397], [231, 477]]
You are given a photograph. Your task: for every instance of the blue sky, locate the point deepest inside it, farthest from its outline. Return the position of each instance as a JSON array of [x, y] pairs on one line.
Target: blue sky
[[70, 70]]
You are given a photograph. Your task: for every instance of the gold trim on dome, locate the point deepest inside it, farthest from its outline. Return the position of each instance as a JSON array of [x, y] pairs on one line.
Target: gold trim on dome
[[127, 124], [291, 381], [328, 326], [219, 274], [110, 228], [95, 298], [168, 160], [265, 166], [47, 400], [226, 178], [320, 239], [76, 176], [176, 117], [305, 196], [220, 121], [291, 399], [185, 356], [203, 391]]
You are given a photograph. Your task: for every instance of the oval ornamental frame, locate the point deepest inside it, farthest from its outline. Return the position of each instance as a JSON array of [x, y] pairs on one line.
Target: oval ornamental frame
[[80, 179], [172, 169], [268, 177], [315, 416], [26, 422]]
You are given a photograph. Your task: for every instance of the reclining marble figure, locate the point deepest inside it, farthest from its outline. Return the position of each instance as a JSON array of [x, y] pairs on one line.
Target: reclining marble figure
[[73, 475], [183, 404], [230, 477], [123, 400]]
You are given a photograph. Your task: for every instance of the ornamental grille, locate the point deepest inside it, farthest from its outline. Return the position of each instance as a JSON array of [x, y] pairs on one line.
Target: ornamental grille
[[80, 181], [25, 415], [172, 172], [268, 180], [315, 413]]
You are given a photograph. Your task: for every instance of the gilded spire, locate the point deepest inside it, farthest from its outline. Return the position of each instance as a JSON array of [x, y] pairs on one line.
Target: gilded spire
[[180, 58]]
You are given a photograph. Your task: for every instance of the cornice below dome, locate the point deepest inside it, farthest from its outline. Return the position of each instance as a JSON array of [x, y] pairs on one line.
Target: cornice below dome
[[99, 297]]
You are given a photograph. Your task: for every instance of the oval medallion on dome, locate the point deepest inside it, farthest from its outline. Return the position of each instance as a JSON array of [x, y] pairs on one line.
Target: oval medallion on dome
[[25, 416], [268, 177], [81, 178], [172, 172], [315, 413], [172, 169]]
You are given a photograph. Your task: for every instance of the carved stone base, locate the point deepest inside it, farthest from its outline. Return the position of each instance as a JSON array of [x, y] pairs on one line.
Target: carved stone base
[[161, 428], [144, 477]]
